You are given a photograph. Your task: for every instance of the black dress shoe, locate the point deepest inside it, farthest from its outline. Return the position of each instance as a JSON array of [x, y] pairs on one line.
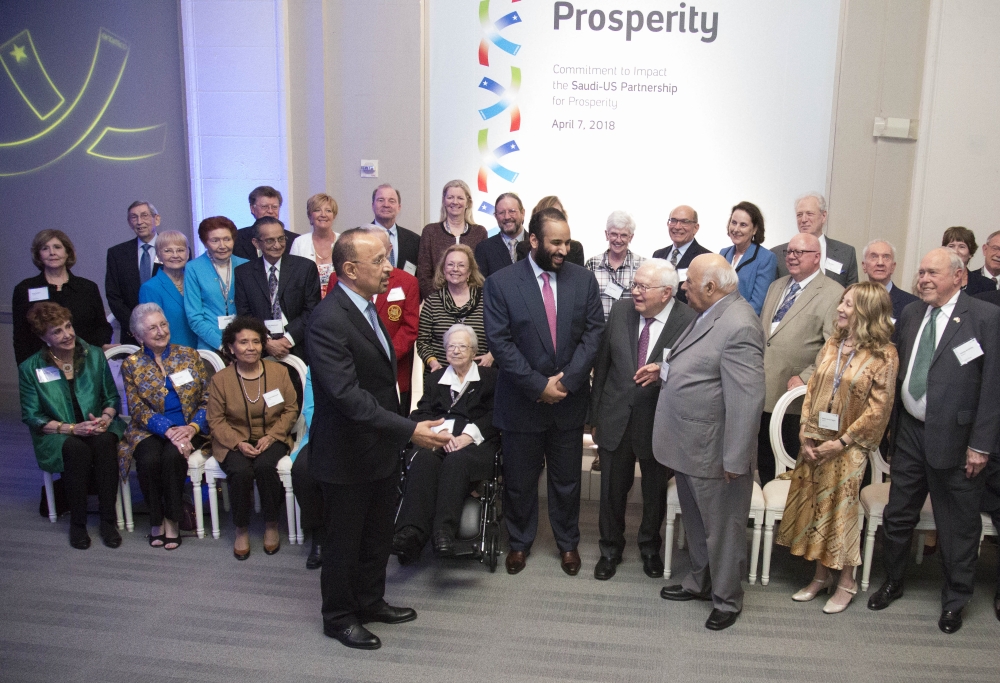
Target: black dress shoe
[[110, 535], [996, 604], [314, 561], [719, 620], [387, 614], [680, 594], [652, 565], [884, 596], [79, 538], [950, 621], [407, 544], [606, 567], [354, 635], [443, 544]]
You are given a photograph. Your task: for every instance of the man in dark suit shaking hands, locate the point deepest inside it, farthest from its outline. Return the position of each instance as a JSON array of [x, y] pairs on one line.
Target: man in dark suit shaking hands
[[355, 436], [544, 320], [278, 288], [626, 386], [948, 424], [682, 226]]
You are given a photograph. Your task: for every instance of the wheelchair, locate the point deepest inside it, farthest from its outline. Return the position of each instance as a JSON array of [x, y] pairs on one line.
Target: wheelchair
[[479, 528]]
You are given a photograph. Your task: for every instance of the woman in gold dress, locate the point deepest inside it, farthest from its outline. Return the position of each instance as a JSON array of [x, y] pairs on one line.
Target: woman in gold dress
[[844, 414]]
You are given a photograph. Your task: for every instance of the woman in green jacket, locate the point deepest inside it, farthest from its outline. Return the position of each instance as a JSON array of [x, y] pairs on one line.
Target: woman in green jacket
[[70, 404]]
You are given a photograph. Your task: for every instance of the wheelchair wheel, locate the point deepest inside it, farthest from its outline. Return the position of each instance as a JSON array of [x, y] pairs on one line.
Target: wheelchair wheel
[[492, 547]]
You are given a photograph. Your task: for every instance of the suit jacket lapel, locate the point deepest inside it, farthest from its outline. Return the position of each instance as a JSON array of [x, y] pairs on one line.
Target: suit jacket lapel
[[536, 307], [260, 276], [632, 331], [564, 310], [691, 335], [669, 326], [801, 301], [961, 308]]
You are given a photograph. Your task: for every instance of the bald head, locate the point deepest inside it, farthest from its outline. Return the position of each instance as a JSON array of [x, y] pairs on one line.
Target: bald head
[[709, 278], [940, 276], [803, 255]]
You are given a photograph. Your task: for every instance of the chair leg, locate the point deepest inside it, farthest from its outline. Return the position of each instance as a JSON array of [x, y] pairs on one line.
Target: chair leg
[[213, 504], [50, 496], [866, 569], [195, 475], [300, 537], [668, 545], [119, 512], [126, 487], [755, 548], [290, 511], [765, 569]]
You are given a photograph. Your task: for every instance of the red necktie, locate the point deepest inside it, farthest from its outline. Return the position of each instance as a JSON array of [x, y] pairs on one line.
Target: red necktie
[[550, 307]]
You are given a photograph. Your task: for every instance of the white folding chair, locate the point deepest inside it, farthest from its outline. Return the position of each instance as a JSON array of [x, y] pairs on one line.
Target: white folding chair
[[874, 498], [295, 534], [197, 460], [776, 490], [416, 381], [123, 501]]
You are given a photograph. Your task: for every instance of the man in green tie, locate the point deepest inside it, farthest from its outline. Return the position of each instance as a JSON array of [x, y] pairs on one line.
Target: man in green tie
[[948, 424]]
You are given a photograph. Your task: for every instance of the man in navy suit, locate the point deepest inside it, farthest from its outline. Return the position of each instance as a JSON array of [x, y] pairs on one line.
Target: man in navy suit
[[948, 424], [355, 438], [544, 320], [878, 261], [682, 226], [264, 201], [405, 244], [500, 250], [130, 264], [279, 289]]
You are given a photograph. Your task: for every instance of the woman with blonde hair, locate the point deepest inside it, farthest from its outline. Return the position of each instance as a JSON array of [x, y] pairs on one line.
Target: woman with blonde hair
[[456, 227], [322, 210], [844, 414]]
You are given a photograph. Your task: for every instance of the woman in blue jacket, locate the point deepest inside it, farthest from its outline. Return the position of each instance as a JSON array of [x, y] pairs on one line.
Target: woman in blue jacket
[[755, 265], [166, 288], [209, 283]]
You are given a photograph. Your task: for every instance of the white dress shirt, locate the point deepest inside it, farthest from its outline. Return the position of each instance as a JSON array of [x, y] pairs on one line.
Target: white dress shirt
[[655, 328], [541, 283], [450, 379], [918, 409], [682, 249]]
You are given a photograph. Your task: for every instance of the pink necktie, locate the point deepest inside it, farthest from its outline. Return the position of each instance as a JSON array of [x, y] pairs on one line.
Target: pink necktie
[[550, 307], [644, 341]]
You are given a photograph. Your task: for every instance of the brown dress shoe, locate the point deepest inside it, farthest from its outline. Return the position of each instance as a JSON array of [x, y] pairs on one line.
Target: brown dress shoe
[[571, 562], [515, 561]]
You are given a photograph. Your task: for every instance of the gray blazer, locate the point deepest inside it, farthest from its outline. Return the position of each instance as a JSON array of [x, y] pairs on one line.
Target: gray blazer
[[708, 413], [616, 401], [838, 251]]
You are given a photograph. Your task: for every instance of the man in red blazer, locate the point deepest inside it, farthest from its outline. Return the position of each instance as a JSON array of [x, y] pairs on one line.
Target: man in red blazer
[[399, 309]]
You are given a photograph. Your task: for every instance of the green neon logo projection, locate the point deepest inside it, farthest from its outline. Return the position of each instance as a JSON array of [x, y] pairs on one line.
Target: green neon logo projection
[[68, 126]]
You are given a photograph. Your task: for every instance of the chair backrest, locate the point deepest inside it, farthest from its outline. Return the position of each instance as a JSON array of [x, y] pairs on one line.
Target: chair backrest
[[782, 460], [115, 356], [880, 468], [212, 360], [298, 366]]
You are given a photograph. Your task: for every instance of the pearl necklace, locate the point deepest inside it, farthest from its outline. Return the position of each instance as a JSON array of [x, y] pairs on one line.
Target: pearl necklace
[[243, 386]]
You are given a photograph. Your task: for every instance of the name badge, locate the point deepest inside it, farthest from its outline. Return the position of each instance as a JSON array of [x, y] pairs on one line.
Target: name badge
[[829, 421], [614, 290], [224, 321], [893, 320], [682, 274], [47, 374], [396, 294], [179, 379], [275, 326], [38, 294], [410, 268], [968, 351], [835, 267], [664, 371], [273, 398]]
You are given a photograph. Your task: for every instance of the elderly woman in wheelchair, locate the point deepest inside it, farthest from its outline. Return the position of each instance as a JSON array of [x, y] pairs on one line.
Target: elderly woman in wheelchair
[[438, 481]]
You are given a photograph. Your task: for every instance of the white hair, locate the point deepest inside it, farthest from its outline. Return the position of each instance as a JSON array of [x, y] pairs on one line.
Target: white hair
[[820, 199], [663, 273], [892, 248], [459, 327], [622, 220], [139, 315], [956, 261], [723, 275]]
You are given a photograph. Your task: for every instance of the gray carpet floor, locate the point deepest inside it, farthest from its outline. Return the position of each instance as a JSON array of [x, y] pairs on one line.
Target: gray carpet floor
[[196, 614]]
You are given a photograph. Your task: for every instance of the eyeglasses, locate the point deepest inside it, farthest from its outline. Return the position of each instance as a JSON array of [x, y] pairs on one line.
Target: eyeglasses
[[797, 253], [135, 217], [377, 262], [513, 213], [273, 241], [642, 289], [619, 235], [458, 348], [681, 221]]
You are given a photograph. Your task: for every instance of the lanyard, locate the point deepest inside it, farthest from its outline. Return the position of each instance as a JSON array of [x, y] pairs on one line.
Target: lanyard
[[224, 289], [838, 374]]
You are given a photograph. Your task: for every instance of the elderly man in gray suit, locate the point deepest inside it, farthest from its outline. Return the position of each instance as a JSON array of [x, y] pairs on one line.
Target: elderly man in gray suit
[[622, 405], [705, 429]]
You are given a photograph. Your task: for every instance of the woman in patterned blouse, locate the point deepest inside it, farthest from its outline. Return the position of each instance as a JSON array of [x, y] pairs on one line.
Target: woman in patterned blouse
[[167, 392]]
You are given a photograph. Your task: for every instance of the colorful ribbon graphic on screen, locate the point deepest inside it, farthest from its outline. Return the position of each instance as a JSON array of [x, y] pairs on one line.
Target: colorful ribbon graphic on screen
[[69, 126], [491, 32], [506, 100]]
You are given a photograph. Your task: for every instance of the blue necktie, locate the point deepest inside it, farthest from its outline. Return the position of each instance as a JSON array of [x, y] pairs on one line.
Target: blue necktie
[[787, 303], [145, 265], [392, 250], [373, 319]]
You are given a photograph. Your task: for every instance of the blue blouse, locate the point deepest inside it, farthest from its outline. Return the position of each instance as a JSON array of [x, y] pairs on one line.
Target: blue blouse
[[207, 298], [756, 270]]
